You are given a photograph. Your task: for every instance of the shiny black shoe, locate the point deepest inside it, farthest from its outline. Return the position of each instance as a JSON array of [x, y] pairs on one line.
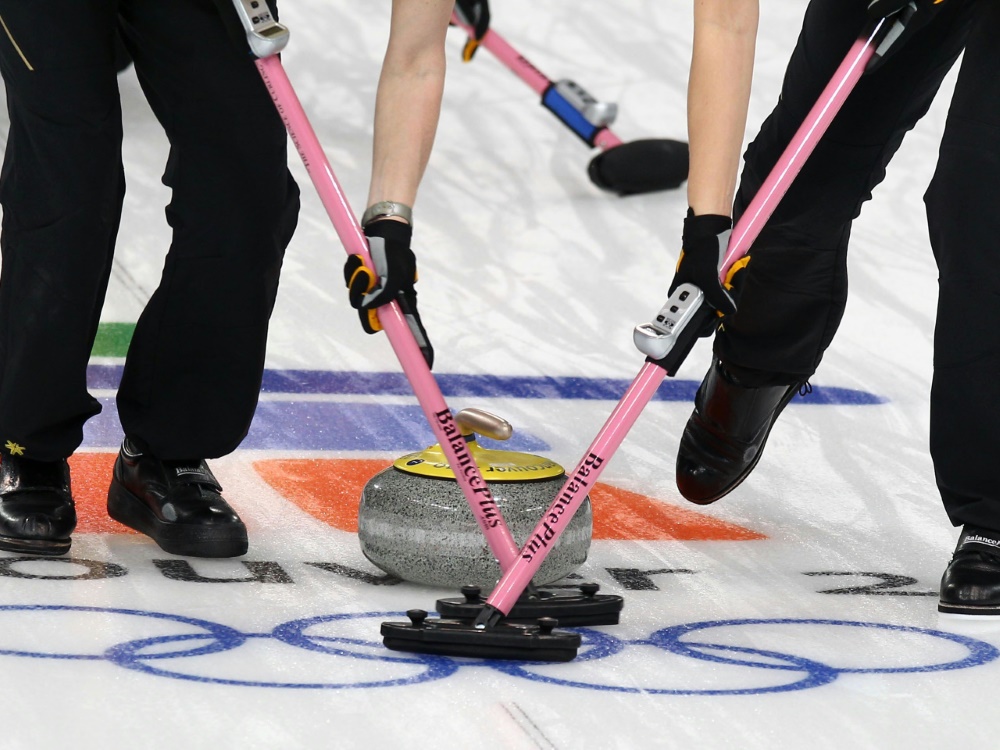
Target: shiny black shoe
[[176, 503], [37, 514], [725, 435], [971, 582]]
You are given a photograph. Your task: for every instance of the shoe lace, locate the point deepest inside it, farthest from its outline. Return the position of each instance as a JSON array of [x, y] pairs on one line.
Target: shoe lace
[[805, 389]]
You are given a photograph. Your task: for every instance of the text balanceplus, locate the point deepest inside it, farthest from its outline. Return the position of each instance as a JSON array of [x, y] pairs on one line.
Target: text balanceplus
[[469, 471], [557, 511]]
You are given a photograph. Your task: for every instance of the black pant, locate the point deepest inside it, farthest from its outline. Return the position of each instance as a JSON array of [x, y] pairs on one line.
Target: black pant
[[194, 366], [793, 294]]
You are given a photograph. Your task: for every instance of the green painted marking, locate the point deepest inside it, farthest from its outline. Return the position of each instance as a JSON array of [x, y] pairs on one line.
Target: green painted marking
[[112, 339]]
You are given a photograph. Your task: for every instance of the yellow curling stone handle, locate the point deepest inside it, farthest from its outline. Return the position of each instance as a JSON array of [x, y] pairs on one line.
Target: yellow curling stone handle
[[495, 465]]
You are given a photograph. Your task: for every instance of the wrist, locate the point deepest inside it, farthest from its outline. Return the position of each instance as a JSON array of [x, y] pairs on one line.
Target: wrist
[[400, 212], [394, 231], [706, 225]]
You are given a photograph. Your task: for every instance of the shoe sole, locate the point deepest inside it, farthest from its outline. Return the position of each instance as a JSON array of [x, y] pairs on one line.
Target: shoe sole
[[43, 547], [188, 540], [969, 610], [753, 464]]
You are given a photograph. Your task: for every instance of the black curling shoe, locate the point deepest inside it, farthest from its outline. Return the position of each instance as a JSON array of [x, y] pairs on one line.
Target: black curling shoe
[[971, 582], [176, 503], [37, 514], [725, 435]]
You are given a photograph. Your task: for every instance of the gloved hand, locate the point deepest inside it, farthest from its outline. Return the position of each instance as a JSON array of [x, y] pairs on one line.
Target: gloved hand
[[884, 8], [474, 13], [704, 243], [393, 278], [909, 20]]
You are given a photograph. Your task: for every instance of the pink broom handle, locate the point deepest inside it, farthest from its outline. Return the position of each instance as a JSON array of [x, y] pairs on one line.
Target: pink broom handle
[[799, 149], [464, 466], [527, 72], [639, 393]]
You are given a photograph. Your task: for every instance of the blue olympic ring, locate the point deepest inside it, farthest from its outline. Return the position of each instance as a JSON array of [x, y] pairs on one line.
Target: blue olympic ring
[[816, 673], [143, 654], [134, 654]]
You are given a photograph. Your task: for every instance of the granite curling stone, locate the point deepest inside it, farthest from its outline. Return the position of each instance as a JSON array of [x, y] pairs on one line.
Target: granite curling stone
[[415, 523]]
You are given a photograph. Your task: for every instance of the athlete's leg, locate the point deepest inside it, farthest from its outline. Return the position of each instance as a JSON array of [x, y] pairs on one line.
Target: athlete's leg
[[61, 188], [792, 294], [965, 395], [195, 363], [194, 367]]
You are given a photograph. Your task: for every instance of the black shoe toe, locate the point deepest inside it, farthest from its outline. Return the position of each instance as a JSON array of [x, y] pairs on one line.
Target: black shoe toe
[[176, 503], [725, 435], [37, 514], [971, 582]]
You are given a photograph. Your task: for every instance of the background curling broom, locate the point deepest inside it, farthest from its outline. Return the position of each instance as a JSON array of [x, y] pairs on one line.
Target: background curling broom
[[625, 168]]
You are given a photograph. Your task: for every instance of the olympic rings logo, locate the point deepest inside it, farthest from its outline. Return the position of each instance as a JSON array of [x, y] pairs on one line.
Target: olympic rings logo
[[341, 645]]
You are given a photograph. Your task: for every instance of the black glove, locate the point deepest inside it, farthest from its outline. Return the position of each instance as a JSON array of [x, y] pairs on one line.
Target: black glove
[[474, 13], [910, 16], [884, 8], [393, 278], [705, 241]]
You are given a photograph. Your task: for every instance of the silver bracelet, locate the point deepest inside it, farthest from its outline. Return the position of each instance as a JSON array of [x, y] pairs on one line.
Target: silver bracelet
[[386, 208]]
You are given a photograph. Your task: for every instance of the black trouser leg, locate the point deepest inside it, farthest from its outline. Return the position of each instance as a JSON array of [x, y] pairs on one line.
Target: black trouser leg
[[61, 189], [793, 292], [195, 364], [964, 222]]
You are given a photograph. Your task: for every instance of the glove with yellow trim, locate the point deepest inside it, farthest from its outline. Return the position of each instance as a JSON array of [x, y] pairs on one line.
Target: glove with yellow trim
[[884, 8], [704, 244], [395, 271], [476, 15]]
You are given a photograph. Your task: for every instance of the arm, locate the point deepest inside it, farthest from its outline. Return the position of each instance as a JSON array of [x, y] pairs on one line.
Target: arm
[[407, 107], [409, 98], [725, 34]]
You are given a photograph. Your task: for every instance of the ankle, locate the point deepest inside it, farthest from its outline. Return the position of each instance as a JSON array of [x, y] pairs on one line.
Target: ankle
[[978, 539]]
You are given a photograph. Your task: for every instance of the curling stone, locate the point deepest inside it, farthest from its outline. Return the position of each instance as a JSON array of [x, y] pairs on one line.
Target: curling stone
[[415, 523]]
